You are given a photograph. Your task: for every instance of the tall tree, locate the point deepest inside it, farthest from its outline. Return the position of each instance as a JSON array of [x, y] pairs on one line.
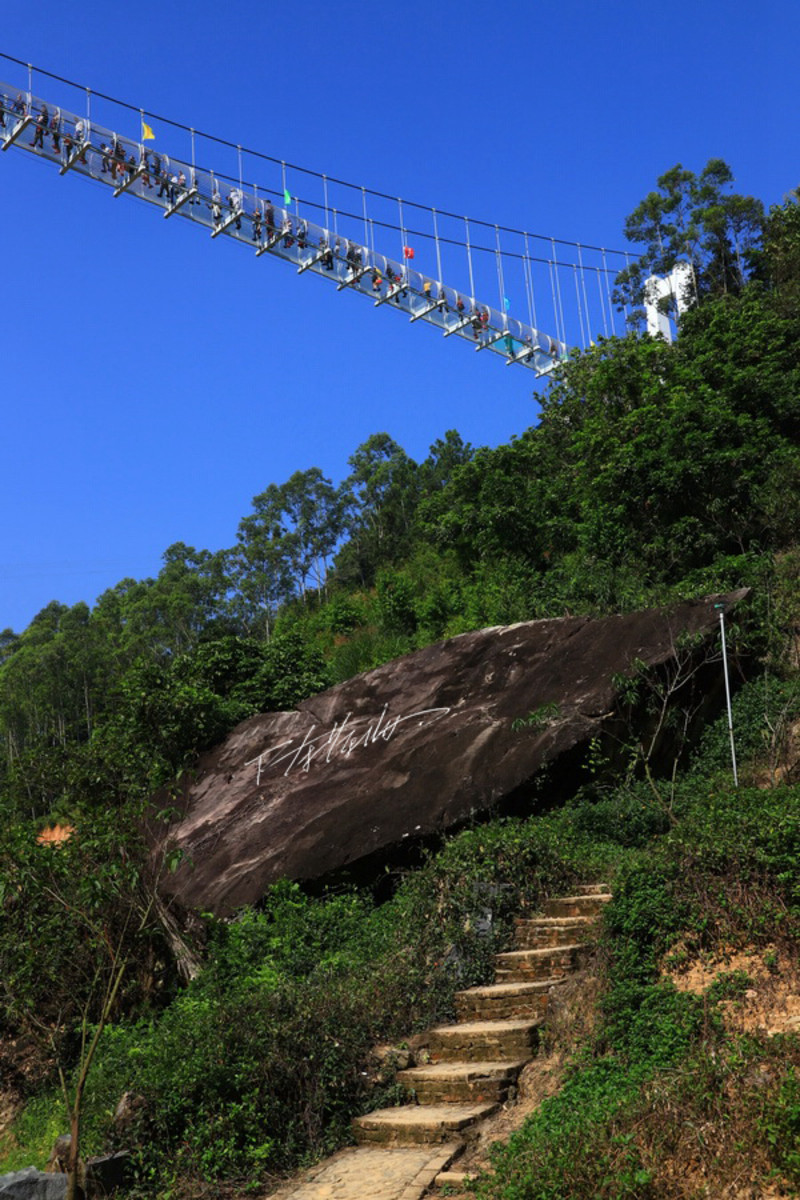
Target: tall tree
[[695, 219], [778, 263], [445, 456], [285, 544], [261, 562], [312, 511], [379, 499]]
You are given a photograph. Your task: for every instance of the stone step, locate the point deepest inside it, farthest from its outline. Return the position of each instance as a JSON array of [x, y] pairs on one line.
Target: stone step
[[499, 1001], [592, 889], [451, 1180], [414, 1124], [484, 1041], [550, 962], [576, 906], [532, 933], [461, 1083]]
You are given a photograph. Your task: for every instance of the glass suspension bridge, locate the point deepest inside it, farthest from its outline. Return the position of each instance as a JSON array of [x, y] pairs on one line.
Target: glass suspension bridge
[[337, 230]]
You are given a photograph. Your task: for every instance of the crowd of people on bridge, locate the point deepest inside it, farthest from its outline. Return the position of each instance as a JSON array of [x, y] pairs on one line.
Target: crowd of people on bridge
[[269, 230]]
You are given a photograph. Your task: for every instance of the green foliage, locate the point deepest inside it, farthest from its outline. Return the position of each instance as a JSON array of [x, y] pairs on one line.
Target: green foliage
[[538, 719], [379, 498], [625, 816], [729, 985], [764, 711], [778, 261], [35, 1131], [367, 648], [657, 472], [780, 1125], [80, 943], [284, 545], [575, 1147], [656, 1050], [265, 1058], [396, 602], [695, 219]]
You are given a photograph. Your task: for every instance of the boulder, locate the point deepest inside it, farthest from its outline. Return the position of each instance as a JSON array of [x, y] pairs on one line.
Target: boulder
[[58, 1162], [408, 750], [30, 1184], [106, 1173]]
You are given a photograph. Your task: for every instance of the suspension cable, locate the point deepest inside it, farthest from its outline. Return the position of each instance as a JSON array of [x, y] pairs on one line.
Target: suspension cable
[[294, 166], [437, 237]]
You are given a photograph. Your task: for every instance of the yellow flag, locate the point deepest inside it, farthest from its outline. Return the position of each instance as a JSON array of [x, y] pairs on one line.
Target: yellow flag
[[147, 133]]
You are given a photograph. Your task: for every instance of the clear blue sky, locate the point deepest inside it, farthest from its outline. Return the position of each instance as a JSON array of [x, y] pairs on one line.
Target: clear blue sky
[[154, 381]]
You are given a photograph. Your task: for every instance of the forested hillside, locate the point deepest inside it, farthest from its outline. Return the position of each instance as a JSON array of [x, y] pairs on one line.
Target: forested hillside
[[656, 471]]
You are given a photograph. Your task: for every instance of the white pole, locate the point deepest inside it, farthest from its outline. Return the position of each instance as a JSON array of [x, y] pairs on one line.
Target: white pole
[[727, 691]]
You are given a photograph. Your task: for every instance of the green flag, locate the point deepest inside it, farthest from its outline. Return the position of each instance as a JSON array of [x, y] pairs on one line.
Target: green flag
[[287, 197]]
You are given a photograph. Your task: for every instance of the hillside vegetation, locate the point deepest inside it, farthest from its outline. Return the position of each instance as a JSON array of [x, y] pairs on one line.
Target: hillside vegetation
[[656, 472]]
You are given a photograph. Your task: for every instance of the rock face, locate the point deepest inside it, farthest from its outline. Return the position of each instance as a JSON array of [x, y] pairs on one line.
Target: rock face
[[30, 1184], [410, 749]]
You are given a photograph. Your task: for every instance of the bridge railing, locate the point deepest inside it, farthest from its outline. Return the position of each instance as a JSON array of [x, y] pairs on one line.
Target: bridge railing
[[249, 215]]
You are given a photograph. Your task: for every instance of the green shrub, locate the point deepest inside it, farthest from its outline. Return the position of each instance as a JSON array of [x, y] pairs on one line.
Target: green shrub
[[263, 1061], [33, 1135], [780, 1126], [763, 712]]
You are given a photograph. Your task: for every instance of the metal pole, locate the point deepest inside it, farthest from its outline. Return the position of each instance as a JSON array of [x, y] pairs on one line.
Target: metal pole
[[727, 691]]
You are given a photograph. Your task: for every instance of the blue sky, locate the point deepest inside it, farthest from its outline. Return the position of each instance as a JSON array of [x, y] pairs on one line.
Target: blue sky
[[154, 381]]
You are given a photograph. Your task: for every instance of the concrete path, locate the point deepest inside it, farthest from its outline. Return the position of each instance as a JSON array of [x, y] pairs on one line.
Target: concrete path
[[372, 1173]]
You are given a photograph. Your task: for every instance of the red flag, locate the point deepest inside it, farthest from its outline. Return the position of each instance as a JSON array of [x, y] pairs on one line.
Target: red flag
[[408, 251]]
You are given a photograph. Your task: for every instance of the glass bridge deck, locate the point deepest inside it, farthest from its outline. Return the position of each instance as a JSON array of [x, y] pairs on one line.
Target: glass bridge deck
[[253, 218]]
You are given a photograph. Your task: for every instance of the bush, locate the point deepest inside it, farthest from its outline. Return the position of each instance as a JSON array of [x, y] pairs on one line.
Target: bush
[[263, 1061], [763, 713]]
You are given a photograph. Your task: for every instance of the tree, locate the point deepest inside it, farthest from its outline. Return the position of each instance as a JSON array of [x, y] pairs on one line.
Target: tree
[[695, 219], [260, 563], [284, 543], [312, 510], [778, 261], [80, 942], [445, 456], [379, 499], [671, 463]]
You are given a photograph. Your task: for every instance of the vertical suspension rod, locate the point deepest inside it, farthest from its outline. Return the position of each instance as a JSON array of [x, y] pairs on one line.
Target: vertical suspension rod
[[438, 247], [469, 261], [585, 297], [500, 282], [608, 297], [562, 336]]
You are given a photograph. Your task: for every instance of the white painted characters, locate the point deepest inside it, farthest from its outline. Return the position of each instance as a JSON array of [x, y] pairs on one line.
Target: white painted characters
[[342, 741]]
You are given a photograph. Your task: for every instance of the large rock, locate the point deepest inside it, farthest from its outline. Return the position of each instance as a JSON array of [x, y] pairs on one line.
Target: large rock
[[30, 1184], [410, 749]]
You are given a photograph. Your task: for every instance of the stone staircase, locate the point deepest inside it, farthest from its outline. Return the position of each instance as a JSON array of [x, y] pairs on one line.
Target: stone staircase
[[465, 1071]]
